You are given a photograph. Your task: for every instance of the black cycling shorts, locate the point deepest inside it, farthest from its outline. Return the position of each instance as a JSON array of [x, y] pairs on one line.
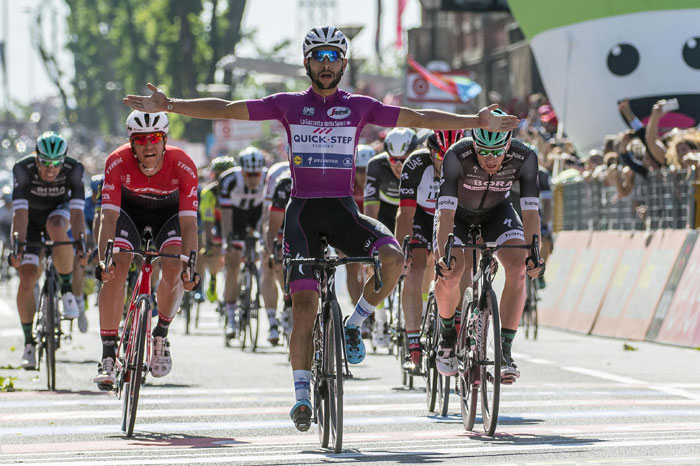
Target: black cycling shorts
[[132, 221], [498, 224], [341, 221], [37, 225], [242, 219], [423, 229], [387, 215]]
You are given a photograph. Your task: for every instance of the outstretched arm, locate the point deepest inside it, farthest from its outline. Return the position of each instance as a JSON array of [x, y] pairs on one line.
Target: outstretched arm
[[207, 108], [437, 119]]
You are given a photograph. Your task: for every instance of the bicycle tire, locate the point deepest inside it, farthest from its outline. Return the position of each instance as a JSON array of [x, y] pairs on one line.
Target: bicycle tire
[[321, 409], [490, 351], [334, 359], [135, 366], [533, 310], [244, 307], [254, 309], [467, 389], [430, 337], [50, 324], [186, 307]]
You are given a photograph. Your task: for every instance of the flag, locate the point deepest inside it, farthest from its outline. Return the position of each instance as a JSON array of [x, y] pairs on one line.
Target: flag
[[378, 34], [463, 88], [399, 28]]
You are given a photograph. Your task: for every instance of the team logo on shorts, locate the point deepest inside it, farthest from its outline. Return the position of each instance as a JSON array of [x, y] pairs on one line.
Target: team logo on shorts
[[297, 160], [368, 243]]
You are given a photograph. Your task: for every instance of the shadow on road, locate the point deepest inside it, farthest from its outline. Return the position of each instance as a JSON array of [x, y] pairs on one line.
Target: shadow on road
[[156, 439]]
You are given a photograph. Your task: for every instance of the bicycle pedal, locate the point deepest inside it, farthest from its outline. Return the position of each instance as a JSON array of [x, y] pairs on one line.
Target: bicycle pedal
[[105, 387], [508, 380]]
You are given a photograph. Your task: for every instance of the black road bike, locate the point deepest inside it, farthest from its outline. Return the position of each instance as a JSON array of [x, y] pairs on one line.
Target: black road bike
[[478, 346], [47, 322], [329, 366]]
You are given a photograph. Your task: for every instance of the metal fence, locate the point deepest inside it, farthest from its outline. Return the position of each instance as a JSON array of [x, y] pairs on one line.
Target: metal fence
[[664, 199]]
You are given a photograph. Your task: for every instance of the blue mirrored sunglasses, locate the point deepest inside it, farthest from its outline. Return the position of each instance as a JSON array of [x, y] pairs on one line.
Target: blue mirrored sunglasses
[[320, 55]]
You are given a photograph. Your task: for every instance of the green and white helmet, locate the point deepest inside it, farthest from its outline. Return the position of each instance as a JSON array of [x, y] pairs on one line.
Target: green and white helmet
[[51, 146], [491, 139]]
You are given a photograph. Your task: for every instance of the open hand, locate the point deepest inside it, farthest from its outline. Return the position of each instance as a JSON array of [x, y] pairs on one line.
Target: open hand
[[491, 122], [156, 102]]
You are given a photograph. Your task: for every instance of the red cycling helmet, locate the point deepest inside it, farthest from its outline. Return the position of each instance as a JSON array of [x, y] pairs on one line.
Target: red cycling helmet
[[441, 140]]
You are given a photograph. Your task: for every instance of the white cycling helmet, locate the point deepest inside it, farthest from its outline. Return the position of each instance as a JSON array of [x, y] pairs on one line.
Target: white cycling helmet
[[251, 160], [142, 122], [400, 142], [325, 36], [364, 153]]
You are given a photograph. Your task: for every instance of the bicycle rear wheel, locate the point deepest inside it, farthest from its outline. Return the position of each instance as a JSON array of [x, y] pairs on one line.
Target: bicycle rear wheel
[[467, 388], [489, 351], [331, 416], [135, 367], [254, 310], [430, 342]]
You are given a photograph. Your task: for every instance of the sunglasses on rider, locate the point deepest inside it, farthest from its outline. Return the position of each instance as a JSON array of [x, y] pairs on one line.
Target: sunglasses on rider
[[396, 160], [439, 155], [144, 138], [495, 153], [320, 55], [50, 163], [251, 174]]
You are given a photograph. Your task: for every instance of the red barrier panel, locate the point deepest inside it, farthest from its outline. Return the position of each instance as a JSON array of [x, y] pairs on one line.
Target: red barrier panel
[[567, 247], [607, 247], [639, 310], [682, 323], [622, 283]]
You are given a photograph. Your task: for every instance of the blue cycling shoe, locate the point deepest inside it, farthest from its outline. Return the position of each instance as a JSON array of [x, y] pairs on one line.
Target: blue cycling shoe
[[354, 346], [301, 415]]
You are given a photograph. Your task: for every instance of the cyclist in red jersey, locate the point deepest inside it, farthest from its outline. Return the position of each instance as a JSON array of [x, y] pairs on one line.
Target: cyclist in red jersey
[[147, 183], [323, 124]]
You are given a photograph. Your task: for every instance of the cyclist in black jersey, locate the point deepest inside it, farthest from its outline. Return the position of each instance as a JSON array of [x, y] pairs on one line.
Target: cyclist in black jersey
[[381, 201], [384, 173], [477, 175], [420, 185], [48, 196]]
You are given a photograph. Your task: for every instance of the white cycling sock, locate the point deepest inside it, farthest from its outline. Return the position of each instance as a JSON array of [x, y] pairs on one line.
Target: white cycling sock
[[302, 384], [363, 309], [272, 316]]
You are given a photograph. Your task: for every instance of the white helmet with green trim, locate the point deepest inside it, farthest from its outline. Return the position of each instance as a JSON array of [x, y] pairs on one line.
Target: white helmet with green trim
[[491, 139]]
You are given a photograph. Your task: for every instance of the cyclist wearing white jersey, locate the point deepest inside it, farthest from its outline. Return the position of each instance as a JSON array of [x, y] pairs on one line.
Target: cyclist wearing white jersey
[[323, 124]]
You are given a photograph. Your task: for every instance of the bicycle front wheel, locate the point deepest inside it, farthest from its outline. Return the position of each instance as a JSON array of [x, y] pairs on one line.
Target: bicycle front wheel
[[254, 313], [489, 351], [430, 339], [51, 332], [135, 367], [467, 388], [333, 373]]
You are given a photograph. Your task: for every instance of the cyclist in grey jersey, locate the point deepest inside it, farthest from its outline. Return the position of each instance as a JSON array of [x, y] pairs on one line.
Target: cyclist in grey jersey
[[323, 124], [477, 175]]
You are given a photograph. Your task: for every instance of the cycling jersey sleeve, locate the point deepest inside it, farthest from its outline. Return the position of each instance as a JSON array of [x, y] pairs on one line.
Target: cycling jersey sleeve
[[379, 113], [188, 182], [111, 186], [411, 174], [371, 194], [77, 188], [268, 108], [280, 197], [529, 185], [227, 183], [449, 182], [21, 186]]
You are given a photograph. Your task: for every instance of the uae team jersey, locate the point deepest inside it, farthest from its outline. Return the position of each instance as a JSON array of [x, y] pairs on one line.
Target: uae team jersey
[[322, 133], [174, 185]]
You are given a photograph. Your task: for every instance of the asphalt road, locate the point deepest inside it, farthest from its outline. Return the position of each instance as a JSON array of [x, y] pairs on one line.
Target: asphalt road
[[580, 400]]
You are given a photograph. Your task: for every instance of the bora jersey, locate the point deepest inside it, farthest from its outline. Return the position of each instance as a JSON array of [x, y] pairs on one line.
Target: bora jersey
[[322, 133]]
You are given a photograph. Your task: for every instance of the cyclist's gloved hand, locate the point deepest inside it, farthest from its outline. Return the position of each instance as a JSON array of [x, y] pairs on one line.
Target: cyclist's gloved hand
[[535, 270], [102, 274], [190, 284], [442, 270], [14, 261]]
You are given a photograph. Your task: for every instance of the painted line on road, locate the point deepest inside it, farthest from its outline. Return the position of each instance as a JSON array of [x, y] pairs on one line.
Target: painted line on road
[[393, 453], [359, 421], [629, 381]]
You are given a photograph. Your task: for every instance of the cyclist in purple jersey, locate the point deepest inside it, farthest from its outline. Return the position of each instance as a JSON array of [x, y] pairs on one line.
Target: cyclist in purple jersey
[[322, 125]]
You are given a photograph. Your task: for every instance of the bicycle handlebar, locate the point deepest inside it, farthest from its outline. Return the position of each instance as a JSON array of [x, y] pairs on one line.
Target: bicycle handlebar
[[110, 250], [333, 262], [493, 247], [44, 243]]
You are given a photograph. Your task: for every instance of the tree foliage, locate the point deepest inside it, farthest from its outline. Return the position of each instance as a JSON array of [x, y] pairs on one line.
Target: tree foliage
[[120, 45]]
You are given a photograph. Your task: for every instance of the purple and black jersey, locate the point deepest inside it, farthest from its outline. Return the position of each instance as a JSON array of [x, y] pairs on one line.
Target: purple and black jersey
[[323, 133]]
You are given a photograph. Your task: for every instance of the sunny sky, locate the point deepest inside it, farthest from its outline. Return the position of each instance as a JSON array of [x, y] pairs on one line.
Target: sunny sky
[[275, 20]]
